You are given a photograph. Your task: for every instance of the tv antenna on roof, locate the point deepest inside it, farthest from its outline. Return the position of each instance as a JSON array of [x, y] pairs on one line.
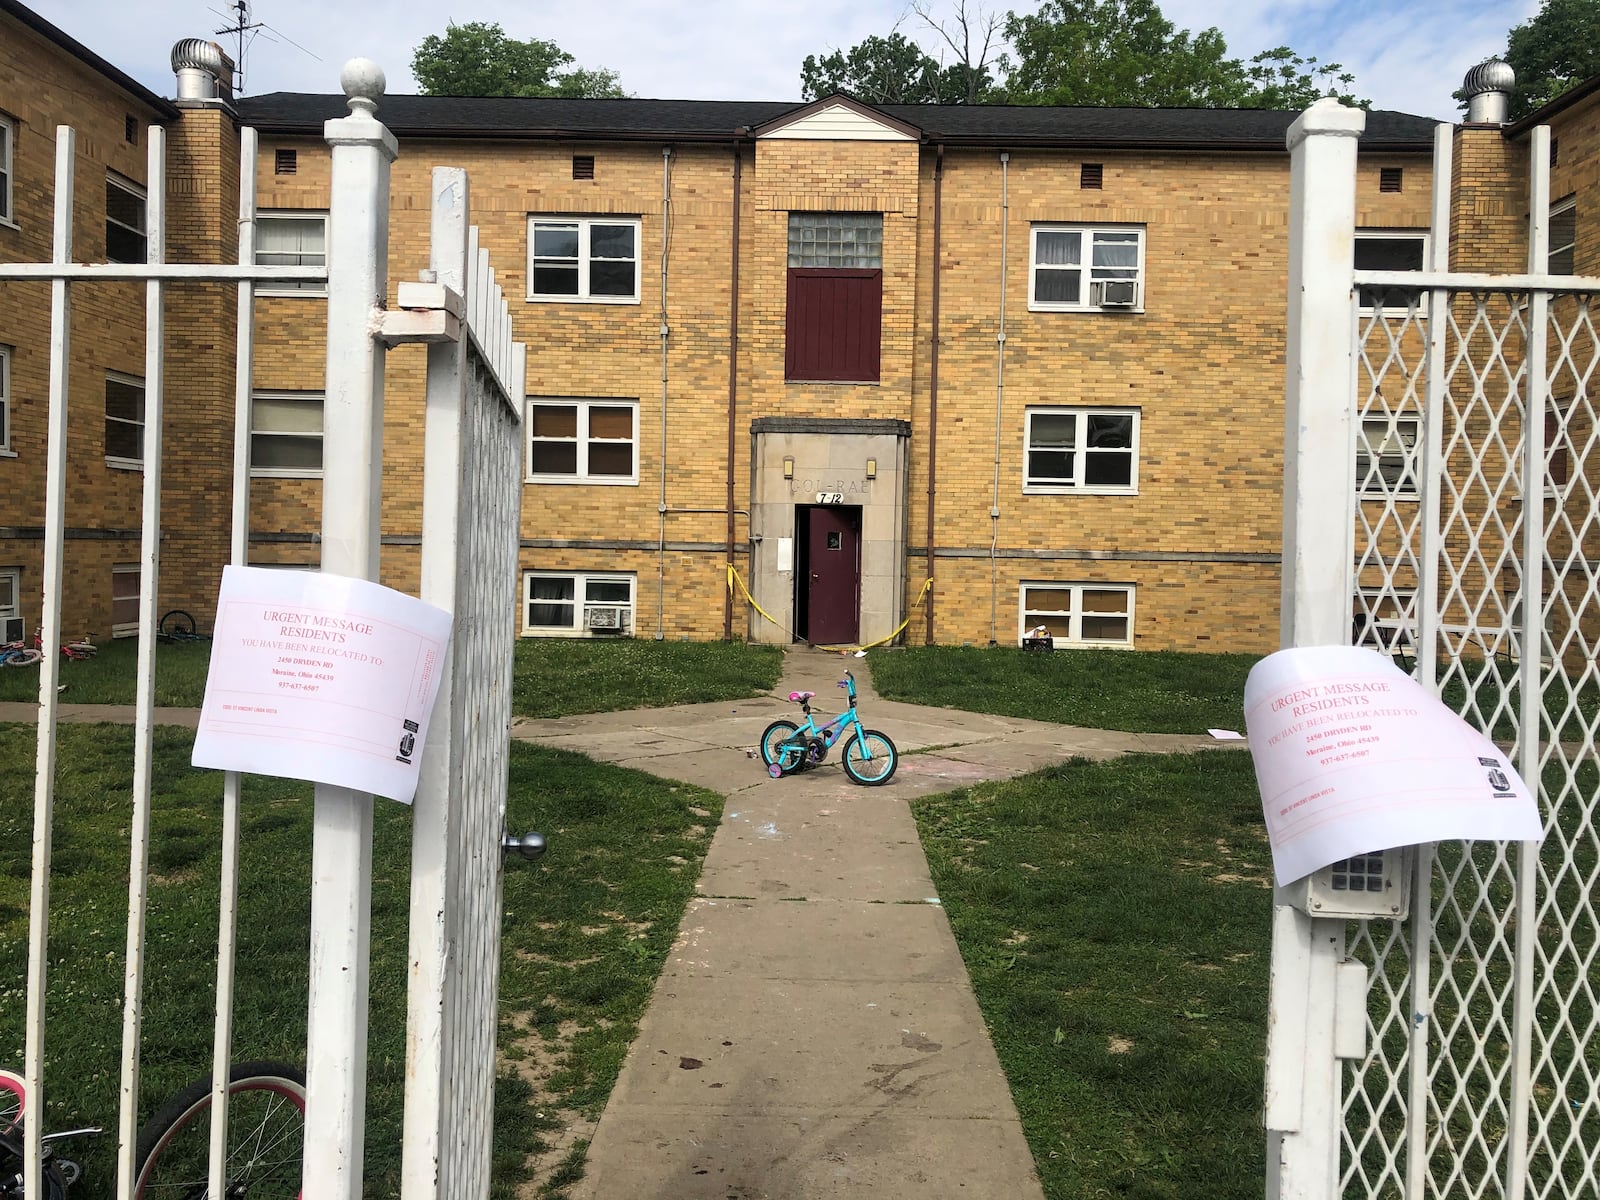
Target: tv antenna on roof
[[244, 30], [242, 25]]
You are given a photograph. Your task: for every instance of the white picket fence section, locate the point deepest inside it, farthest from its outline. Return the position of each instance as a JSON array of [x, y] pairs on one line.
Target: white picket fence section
[[1471, 545], [472, 492]]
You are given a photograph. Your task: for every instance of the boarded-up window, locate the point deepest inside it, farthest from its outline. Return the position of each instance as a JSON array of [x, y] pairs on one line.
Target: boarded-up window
[[835, 324], [835, 301]]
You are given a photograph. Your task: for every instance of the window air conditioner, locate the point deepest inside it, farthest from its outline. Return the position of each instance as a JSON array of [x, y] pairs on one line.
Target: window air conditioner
[[1115, 293], [13, 630], [611, 617]]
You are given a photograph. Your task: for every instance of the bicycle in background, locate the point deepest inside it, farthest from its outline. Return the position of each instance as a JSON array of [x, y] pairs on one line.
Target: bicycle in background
[[266, 1139], [19, 654], [869, 757], [77, 651]]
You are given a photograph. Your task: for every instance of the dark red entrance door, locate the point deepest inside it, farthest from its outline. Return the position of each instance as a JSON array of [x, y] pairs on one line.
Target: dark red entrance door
[[833, 567]]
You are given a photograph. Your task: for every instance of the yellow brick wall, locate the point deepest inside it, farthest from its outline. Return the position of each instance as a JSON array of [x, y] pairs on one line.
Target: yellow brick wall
[[41, 88], [1207, 346]]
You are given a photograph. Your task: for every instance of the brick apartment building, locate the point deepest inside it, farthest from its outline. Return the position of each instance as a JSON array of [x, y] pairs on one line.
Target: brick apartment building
[[1034, 355]]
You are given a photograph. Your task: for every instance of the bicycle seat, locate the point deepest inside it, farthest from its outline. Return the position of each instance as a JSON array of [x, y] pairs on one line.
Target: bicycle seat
[[801, 697]]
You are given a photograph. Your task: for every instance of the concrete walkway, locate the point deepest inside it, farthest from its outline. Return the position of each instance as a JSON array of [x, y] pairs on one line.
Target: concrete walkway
[[814, 1032]]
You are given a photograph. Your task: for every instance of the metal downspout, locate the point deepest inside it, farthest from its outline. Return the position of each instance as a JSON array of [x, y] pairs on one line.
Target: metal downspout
[[733, 381], [999, 397], [661, 510], [933, 373]]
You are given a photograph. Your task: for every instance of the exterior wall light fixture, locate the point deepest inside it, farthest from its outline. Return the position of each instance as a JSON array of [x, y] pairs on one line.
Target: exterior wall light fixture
[[788, 468], [872, 468]]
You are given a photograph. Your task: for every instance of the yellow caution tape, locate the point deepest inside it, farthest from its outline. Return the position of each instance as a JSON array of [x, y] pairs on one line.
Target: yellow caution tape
[[734, 578]]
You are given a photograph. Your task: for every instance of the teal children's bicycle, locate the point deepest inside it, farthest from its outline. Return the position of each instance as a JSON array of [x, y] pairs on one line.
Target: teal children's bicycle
[[869, 757]]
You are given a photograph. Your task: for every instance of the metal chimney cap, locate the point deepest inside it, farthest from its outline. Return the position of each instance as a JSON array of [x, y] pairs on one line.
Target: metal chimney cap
[[1492, 75], [197, 54]]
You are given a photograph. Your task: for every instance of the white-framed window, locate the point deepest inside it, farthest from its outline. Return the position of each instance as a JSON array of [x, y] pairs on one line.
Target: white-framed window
[[1563, 236], [582, 441], [1086, 268], [1078, 614], [125, 600], [8, 141], [124, 421], [592, 259], [578, 603], [127, 234], [10, 604], [292, 239], [1081, 450], [5, 402], [1387, 458], [1390, 250], [286, 435]]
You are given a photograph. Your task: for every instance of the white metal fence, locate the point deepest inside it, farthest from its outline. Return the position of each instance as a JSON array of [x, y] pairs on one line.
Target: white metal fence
[[1470, 490], [471, 514]]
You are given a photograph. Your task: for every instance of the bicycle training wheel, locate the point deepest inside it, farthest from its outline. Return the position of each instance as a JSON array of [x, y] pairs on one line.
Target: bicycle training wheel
[[775, 753], [870, 758], [266, 1137]]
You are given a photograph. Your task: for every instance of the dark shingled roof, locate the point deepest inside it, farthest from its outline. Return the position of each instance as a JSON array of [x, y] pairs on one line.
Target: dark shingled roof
[[731, 120]]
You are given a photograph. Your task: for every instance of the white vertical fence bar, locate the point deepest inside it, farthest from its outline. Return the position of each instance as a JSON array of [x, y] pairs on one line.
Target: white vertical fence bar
[[341, 857], [472, 488], [232, 782], [1426, 645], [55, 506], [145, 678], [434, 823], [1530, 641], [1302, 1079]]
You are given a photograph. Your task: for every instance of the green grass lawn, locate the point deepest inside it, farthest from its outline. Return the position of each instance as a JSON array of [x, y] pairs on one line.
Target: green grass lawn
[[108, 677], [586, 931], [553, 678], [1152, 691], [1114, 918]]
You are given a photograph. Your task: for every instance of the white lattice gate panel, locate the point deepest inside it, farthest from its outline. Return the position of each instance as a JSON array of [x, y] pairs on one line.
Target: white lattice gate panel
[[472, 495], [1476, 556]]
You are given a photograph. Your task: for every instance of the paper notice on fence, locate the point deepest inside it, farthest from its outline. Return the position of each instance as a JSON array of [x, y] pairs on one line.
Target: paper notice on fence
[[321, 677], [1352, 756]]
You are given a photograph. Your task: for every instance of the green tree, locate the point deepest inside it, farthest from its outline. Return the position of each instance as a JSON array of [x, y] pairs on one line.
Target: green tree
[[1126, 52], [891, 70], [1558, 48], [478, 59], [895, 70], [1281, 79]]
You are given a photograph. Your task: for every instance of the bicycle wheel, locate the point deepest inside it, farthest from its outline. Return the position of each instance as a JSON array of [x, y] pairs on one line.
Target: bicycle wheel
[[24, 658], [775, 753], [870, 758], [176, 624], [13, 1100], [266, 1137]]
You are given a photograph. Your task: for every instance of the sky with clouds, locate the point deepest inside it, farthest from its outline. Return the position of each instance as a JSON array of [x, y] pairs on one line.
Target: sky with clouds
[[1407, 55]]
